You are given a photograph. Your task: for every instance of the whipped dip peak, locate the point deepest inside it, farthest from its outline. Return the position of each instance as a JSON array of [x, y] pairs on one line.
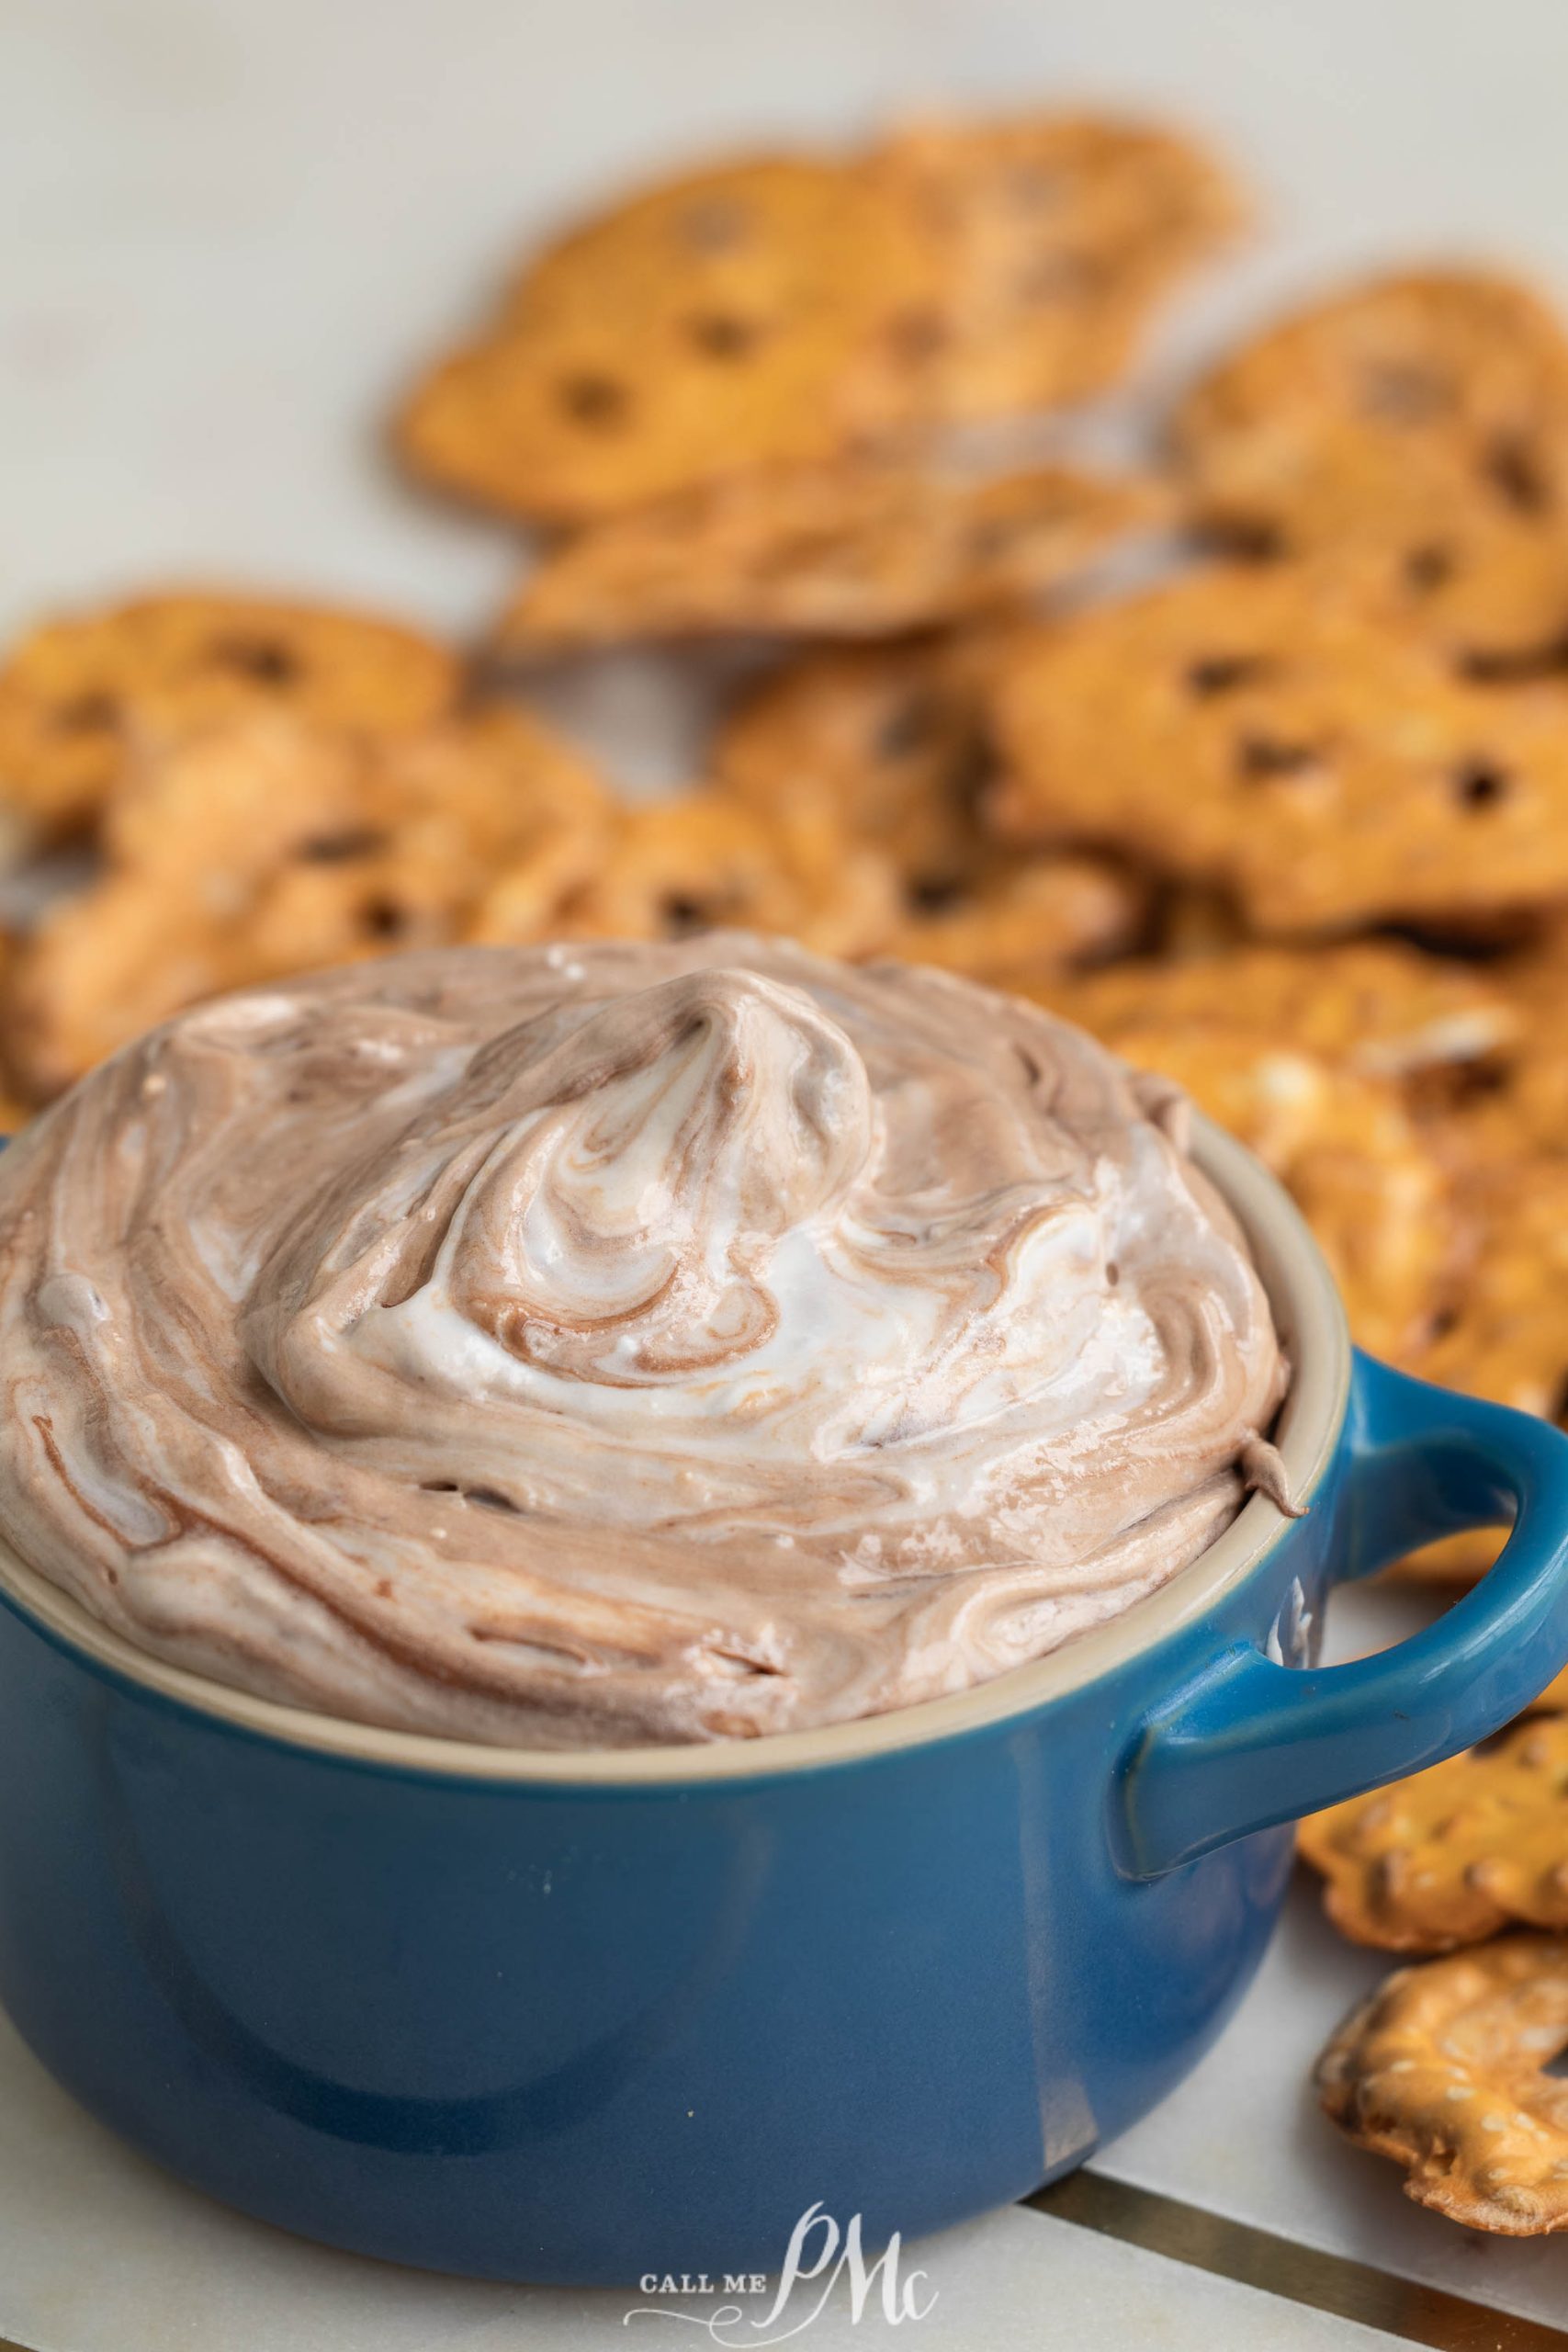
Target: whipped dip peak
[[618, 1344]]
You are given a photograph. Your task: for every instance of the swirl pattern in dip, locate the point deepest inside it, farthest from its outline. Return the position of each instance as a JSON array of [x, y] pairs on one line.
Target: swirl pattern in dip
[[577, 1348]]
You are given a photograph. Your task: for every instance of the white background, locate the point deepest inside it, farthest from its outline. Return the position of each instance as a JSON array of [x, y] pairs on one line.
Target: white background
[[229, 228]]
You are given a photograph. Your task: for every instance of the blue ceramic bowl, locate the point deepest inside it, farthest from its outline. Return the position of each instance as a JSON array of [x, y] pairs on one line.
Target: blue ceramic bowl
[[581, 2018]]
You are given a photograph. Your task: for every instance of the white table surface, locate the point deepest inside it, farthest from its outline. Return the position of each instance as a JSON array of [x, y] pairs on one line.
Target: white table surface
[[227, 229], [99, 2252]]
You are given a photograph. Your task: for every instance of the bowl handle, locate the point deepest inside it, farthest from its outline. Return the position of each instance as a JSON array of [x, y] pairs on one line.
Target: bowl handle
[[1250, 1743]]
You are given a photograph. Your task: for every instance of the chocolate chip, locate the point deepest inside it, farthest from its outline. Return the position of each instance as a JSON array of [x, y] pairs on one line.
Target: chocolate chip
[[720, 335], [1113, 1272], [970, 773], [1263, 756], [681, 914], [384, 918], [1465, 946], [1429, 567], [1476, 1082], [87, 714], [1517, 664], [598, 400], [1514, 469], [339, 849], [1253, 541], [261, 660], [935, 894], [1220, 674], [1479, 784]]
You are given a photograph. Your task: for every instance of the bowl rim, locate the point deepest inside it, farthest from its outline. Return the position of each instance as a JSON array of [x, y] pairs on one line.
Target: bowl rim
[[1311, 1320]]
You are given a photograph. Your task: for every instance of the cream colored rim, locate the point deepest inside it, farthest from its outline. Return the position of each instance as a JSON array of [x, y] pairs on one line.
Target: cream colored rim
[[1312, 1327]]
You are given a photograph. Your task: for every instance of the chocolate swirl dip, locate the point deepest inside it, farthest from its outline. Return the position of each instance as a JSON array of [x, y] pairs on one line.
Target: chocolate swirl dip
[[586, 1347]]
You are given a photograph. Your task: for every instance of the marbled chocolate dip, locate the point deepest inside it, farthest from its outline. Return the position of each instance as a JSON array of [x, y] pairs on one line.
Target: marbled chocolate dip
[[586, 1347]]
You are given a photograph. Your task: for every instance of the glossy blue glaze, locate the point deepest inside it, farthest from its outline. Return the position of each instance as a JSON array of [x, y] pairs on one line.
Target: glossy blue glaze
[[574, 2032]]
